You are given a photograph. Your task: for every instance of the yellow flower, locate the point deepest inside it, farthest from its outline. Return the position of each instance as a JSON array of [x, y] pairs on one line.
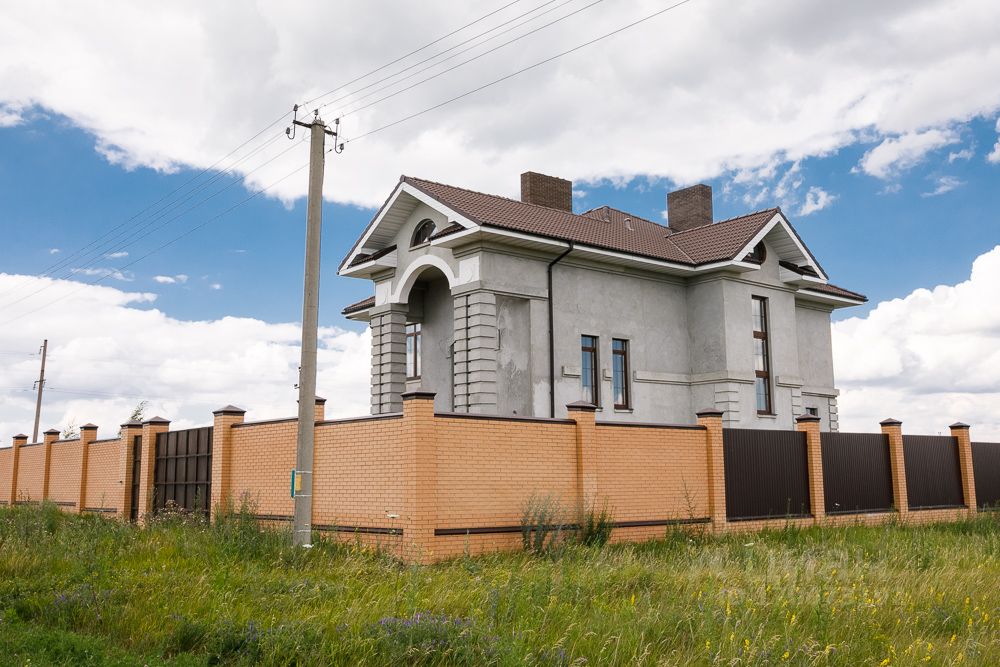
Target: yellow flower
[[953, 637], [785, 655], [885, 662], [708, 645], [633, 599]]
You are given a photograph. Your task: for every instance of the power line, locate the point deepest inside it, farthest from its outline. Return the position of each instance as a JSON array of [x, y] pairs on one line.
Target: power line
[[450, 48], [309, 102], [520, 71]]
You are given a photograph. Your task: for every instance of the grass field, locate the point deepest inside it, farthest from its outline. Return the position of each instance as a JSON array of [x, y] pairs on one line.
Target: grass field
[[84, 590]]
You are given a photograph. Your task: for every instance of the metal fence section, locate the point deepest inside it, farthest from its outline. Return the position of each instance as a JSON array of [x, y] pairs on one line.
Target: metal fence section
[[182, 474], [857, 476], [986, 465], [933, 475], [766, 474]]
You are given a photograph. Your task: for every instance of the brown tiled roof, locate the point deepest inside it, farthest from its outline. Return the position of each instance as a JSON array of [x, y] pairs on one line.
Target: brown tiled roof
[[364, 304], [722, 240], [361, 259], [837, 291]]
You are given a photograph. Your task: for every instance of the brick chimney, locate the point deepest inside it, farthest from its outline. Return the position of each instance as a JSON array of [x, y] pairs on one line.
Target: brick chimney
[[689, 208], [547, 191]]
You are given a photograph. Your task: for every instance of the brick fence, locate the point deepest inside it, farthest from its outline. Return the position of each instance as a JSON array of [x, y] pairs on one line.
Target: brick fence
[[430, 486]]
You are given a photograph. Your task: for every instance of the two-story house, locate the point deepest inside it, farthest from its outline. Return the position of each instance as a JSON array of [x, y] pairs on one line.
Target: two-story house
[[520, 307]]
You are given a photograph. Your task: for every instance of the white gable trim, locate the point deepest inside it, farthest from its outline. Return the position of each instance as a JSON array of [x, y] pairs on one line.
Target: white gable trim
[[452, 215], [780, 220]]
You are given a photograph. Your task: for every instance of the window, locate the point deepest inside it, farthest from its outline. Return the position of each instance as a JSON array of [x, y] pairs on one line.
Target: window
[[620, 374], [761, 357], [758, 254], [812, 412], [422, 234], [588, 369], [413, 351]]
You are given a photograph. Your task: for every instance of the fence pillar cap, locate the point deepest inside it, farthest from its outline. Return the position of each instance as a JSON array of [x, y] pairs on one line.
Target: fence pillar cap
[[230, 410], [709, 412], [320, 400], [51, 431], [804, 419], [890, 422], [959, 425], [422, 394], [582, 406], [132, 424], [89, 427], [156, 420], [20, 436]]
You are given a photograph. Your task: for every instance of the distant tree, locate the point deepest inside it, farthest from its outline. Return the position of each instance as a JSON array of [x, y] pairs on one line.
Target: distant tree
[[138, 413], [71, 431]]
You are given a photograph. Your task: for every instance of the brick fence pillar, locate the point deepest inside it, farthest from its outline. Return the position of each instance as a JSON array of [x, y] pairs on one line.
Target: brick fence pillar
[[320, 409], [809, 424], [712, 421], [960, 432], [15, 460], [419, 444], [48, 438], [893, 428], [584, 414], [150, 429], [222, 457], [126, 438], [88, 433]]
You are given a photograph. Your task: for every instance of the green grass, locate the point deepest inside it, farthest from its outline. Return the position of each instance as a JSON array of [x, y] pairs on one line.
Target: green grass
[[85, 590]]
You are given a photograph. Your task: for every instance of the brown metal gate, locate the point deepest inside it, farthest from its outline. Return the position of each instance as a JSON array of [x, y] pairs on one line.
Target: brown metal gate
[[133, 513], [182, 473]]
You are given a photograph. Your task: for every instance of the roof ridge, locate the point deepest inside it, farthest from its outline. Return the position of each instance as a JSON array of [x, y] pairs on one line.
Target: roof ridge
[[490, 194], [776, 209]]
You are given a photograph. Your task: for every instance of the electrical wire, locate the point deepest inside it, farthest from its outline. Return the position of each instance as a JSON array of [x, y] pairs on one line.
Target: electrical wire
[[518, 72]]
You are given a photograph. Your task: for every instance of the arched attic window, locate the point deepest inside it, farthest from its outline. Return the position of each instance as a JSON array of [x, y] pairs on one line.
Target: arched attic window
[[757, 255], [422, 234]]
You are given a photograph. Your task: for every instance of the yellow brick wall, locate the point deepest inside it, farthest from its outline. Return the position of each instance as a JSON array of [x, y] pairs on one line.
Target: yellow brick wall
[[64, 473], [652, 473], [6, 472], [105, 488], [30, 473], [263, 456]]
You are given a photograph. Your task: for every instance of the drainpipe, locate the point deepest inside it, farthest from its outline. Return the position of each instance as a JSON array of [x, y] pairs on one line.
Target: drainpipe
[[552, 334]]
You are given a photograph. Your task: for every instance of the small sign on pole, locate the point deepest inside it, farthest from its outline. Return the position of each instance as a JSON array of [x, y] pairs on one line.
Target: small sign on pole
[[296, 483]]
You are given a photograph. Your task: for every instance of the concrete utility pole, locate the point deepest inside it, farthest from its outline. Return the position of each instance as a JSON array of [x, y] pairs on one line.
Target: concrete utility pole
[[41, 384], [302, 484]]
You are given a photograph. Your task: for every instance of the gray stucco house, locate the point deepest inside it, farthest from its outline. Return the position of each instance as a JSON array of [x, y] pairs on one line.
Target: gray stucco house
[[520, 307]]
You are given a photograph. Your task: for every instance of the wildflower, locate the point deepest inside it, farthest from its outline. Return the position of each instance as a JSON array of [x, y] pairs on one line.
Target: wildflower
[[708, 645], [885, 662], [785, 655], [633, 599], [953, 636]]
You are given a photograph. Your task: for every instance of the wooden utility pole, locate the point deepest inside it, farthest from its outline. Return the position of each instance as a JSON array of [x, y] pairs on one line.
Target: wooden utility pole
[[41, 385], [302, 482]]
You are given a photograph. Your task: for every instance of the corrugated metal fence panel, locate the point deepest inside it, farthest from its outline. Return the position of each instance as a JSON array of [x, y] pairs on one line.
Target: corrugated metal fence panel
[[182, 473], [857, 476], [766, 474], [933, 475], [986, 464]]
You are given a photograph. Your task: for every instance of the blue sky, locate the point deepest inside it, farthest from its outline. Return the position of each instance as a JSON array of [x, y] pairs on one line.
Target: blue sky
[[881, 237]]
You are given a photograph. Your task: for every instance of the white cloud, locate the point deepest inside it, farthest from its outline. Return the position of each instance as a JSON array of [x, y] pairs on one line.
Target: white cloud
[[125, 276], [944, 184], [827, 76], [128, 351], [215, 286], [117, 255], [897, 154], [54, 251], [171, 280], [994, 156], [964, 154], [929, 359], [816, 200]]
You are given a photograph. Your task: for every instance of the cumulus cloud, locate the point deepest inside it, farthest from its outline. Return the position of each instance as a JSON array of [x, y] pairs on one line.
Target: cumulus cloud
[[897, 154], [929, 359], [171, 280], [215, 286], [816, 200], [109, 349], [182, 84], [54, 251], [942, 185], [964, 154], [117, 255], [994, 155]]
